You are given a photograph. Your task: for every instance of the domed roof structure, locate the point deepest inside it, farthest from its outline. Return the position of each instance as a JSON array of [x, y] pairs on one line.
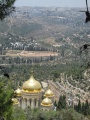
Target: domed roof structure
[[49, 93], [31, 86], [46, 102], [18, 92], [15, 101]]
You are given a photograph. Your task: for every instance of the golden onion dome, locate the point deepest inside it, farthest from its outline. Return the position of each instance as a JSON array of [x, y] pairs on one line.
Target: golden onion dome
[[18, 92], [14, 101], [49, 93], [31, 86], [46, 102]]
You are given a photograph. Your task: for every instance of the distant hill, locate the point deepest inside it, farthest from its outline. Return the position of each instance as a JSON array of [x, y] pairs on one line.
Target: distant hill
[[49, 29], [61, 28], [45, 22]]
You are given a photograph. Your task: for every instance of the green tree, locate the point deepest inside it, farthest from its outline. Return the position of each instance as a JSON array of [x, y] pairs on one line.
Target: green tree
[[56, 75], [6, 7], [86, 108], [6, 94], [62, 102], [55, 103], [18, 114], [83, 108], [79, 106]]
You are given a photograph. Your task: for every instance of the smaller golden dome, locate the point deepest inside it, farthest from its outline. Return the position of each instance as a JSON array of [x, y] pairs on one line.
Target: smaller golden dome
[[49, 93], [18, 92], [15, 101], [46, 102]]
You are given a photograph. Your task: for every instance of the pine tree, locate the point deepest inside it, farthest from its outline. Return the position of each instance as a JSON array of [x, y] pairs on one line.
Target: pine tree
[[6, 7]]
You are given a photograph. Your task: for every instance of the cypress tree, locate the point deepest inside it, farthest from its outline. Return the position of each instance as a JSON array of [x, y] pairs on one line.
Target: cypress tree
[[83, 108], [62, 102], [55, 103], [86, 112], [79, 107]]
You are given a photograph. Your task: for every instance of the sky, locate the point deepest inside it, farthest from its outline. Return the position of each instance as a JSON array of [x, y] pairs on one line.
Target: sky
[[56, 3]]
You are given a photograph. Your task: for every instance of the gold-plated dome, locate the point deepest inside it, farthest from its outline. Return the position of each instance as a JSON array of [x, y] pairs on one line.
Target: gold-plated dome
[[46, 102], [31, 86], [18, 92], [15, 101], [49, 93]]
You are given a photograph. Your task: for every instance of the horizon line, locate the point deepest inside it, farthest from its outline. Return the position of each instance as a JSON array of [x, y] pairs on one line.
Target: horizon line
[[50, 6]]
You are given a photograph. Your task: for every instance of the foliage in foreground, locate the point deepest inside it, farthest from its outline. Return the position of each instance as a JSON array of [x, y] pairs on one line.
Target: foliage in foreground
[[6, 7], [6, 94], [36, 114], [18, 114], [13, 113]]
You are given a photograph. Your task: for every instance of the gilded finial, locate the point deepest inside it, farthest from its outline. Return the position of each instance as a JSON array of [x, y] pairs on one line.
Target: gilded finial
[[18, 84], [48, 86], [32, 72]]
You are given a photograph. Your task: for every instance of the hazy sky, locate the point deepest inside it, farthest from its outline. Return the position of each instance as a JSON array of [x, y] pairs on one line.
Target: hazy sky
[[58, 3]]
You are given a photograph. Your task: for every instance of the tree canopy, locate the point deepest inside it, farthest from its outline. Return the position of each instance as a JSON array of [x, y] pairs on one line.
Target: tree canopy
[[6, 7], [6, 94]]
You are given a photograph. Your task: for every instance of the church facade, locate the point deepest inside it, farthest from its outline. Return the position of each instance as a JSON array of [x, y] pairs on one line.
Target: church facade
[[30, 96]]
